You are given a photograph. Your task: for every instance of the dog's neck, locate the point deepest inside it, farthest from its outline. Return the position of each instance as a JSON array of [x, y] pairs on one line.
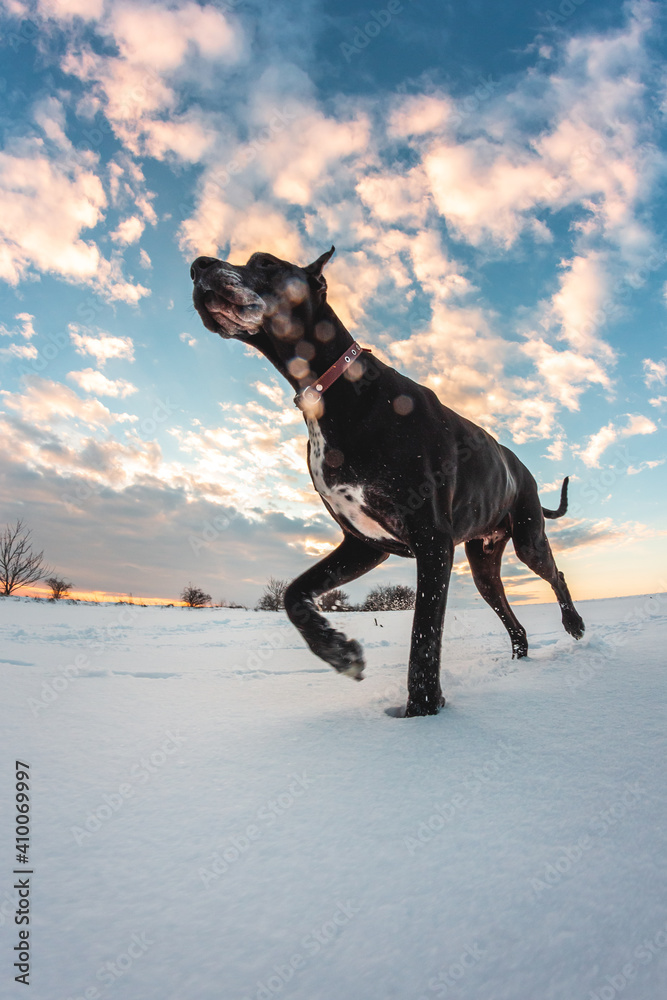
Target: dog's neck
[[325, 335]]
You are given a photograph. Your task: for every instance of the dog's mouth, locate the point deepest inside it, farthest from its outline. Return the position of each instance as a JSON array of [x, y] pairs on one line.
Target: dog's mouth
[[225, 311], [231, 309]]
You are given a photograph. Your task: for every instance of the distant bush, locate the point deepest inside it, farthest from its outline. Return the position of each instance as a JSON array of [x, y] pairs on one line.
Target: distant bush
[[334, 600], [194, 597], [224, 603], [390, 598], [273, 598], [59, 587]]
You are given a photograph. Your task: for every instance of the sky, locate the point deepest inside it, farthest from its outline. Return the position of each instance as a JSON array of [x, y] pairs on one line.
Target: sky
[[493, 179]]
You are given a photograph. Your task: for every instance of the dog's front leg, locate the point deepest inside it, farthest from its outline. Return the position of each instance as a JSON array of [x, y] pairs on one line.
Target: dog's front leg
[[351, 559], [434, 566]]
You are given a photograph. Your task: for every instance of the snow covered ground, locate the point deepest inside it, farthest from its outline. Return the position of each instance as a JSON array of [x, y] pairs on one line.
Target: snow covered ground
[[217, 816]]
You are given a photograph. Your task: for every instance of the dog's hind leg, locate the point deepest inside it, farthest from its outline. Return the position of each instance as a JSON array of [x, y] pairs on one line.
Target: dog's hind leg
[[351, 559], [532, 547], [485, 567]]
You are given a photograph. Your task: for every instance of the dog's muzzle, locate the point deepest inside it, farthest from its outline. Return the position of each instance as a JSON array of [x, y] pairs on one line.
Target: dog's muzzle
[[223, 300]]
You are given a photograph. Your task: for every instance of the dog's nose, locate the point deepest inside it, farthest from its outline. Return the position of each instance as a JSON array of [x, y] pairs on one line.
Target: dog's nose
[[200, 264]]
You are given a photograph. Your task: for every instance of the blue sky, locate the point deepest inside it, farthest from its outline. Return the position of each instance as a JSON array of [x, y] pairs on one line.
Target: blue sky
[[493, 178]]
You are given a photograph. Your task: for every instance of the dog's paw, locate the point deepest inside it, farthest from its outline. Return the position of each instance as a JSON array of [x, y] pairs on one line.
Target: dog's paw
[[413, 709], [573, 624], [347, 657]]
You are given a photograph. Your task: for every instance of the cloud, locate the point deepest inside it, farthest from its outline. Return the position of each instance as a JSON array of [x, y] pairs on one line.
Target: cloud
[[591, 152], [101, 346], [157, 48], [50, 194], [16, 8], [252, 460], [246, 229], [25, 351], [609, 434], [45, 204], [555, 485], [566, 374], [577, 534], [46, 403], [151, 35], [184, 136], [273, 392], [65, 10], [634, 471], [354, 279], [299, 155], [394, 198], [465, 362], [127, 185], [95, 382], [577, 307], [655, 372], [484, 194], [150, 537], [419, 114], [556, 449], [25, 330], [437, 274], [128, 231]]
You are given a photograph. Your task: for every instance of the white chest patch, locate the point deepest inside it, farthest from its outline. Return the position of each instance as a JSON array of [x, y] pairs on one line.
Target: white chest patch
[[347, 501]]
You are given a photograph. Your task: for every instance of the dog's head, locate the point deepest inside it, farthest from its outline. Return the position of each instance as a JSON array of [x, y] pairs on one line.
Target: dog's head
[[266, 294]]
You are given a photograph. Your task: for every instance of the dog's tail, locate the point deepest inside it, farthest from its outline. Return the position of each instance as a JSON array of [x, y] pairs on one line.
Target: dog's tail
[[562, 507]]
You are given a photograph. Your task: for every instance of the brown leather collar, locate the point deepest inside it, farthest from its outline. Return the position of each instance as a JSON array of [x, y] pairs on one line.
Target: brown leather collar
[[313, 392]]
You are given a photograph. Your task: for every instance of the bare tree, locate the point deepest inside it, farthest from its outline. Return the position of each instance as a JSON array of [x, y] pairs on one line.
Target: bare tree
[[194, 597], [59, 587], [273, 598], [334, 600], [19, 564], [389, 598]]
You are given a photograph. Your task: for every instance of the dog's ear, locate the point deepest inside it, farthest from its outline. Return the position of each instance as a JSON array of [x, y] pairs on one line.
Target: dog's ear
[[317, 266]]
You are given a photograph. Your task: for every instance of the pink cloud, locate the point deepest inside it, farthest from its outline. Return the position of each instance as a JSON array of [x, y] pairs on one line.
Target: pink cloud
[[419, 114], [566, 374], [65, 10], [98, 384], [128, 230], [135, 88], [101, 346], [609, 434], [45, 403], [583, 303], [50, 194]]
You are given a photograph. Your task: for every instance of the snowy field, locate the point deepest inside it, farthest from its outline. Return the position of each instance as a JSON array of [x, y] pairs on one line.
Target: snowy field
[[217, 816]]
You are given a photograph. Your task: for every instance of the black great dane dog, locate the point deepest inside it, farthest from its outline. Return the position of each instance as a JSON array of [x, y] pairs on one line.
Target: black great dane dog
[[399, 472]]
